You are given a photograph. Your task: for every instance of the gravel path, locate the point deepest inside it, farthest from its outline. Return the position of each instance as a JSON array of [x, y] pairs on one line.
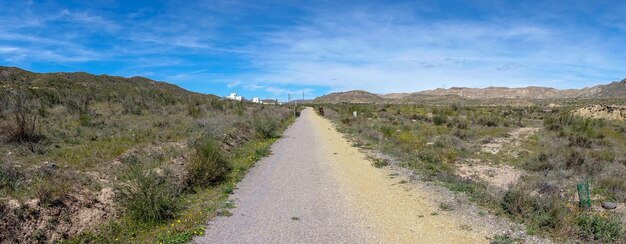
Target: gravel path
[[317, 188]]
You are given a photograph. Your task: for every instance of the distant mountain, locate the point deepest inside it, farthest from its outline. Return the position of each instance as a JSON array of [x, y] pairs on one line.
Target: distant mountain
[[612, 90], [395, 95], [504, 95], [356, 96]]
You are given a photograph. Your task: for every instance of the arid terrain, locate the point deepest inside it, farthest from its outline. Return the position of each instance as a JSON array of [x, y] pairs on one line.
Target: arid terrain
[[103, 159], [86, 158], [523, 163], [485, 96], [317, 188]]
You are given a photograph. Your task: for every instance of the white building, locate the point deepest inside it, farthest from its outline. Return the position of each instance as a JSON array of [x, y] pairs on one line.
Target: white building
[[233, 96], [256, 100]]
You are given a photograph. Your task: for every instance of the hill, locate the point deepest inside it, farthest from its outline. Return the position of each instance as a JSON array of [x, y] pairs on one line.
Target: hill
[[505, 95], [79, 150], [356, 96]]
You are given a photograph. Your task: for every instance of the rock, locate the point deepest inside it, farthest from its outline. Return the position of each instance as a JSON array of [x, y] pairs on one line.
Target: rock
[[609, 205], [50, 165]]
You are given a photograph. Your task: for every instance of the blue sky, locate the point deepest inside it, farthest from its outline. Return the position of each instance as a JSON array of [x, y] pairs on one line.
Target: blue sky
[[272, 48]]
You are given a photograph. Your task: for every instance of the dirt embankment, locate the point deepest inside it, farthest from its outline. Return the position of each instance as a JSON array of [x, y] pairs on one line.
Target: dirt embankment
[[611, 112]]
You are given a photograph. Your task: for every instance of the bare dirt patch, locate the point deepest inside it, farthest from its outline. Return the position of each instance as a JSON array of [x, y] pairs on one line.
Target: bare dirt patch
[[498, 176], [495, 145]]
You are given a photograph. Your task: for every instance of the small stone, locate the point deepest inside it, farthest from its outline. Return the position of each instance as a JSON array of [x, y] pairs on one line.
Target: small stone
[[609, 205], [50, 165]]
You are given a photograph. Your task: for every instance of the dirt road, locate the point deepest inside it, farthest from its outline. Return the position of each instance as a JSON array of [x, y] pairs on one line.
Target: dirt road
[[317, 188]]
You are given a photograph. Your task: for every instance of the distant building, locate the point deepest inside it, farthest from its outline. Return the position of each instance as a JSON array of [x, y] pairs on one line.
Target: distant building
[[256, 100], [270, 101], [233, 96]]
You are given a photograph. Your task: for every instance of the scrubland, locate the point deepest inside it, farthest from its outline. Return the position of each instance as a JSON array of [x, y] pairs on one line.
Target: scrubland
[[87, 158], [523, 163]]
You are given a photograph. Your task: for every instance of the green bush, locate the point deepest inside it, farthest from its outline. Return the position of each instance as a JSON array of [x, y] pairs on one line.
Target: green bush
[[266, 126], [147, 197], [10, 177], [539, 163], [550, 213], [517, 202], [439, 119], [52, 192], [387, 131], [615, 185], [579, 141], [208, 166], [489, 121], [599, 228]]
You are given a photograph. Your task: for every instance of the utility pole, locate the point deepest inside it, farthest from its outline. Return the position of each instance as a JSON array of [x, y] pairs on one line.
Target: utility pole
[[289, 102], [462, 97]]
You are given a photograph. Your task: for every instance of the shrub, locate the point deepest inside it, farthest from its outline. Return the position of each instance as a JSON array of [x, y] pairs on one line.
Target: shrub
[[602, 156], [504, 239], [574, 160], [599, 228], [550, 212], [387, 131], [462, 124], [23, 128], [539, 163], [10, 177], [266, 126], [208, 166], [147, 197], [194, 110], [517, 202], [52, 194], [579, 141], [615, 184], [489, 121], [439, 119], [380, 162]]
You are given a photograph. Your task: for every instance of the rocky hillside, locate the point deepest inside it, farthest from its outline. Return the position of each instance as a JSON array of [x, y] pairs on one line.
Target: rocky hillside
[[612, 90], [615, 89], [610, 112]]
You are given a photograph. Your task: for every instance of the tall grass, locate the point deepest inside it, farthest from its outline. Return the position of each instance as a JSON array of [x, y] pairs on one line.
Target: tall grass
[[208, 166], [146, 196]]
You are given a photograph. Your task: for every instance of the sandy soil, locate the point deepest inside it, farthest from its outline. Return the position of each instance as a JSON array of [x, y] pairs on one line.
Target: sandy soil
[[499, 176], [396, 213]]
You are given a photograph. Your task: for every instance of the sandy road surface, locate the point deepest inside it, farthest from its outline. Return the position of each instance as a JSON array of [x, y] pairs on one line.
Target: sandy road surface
[[317, 188]]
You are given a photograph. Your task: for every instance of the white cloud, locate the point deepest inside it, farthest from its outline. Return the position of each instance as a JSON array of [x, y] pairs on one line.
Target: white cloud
[[365, 53]]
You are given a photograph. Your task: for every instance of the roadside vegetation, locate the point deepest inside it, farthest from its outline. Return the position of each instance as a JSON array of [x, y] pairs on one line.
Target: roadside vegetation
[[520, 162], [87, 158]]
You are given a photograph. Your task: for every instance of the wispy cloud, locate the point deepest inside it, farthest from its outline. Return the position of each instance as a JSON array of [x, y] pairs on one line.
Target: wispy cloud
[[285, 47]]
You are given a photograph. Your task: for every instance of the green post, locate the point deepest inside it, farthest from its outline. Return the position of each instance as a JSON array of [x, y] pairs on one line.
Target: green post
[[583, 195]]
